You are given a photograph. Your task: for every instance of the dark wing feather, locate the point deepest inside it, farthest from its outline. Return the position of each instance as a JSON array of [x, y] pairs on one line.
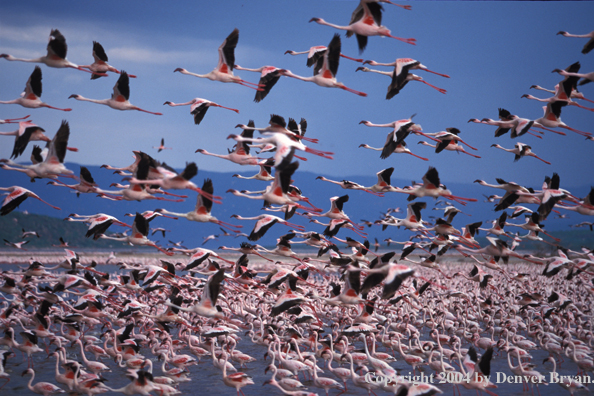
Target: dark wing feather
[[190, 171], [60, 141], [141, 224], [208, 188], [57, 44], [35, 81], [123, 85], [99, 52], [333, 54], [199, 112], [20, 143], [229, 48]]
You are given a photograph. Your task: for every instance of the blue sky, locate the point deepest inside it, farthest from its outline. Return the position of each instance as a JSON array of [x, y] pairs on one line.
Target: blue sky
[[493, 51]]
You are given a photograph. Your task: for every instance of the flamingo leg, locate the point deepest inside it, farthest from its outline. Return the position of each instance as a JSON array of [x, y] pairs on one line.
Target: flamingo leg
[[414, 155], [411, 41], [443, 91], [353, 59]]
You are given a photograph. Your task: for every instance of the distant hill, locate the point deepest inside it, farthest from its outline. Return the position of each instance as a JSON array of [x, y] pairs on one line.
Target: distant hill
[[361, 205], [50, 229]]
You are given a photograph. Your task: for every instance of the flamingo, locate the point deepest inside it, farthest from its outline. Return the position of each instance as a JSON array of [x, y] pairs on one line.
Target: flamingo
[[584, 207], [162, 146], [86, 184], [588, 46], [236, 380], [349, 185], [325, 75], [586, 77], [42, 388], [140, 229], [366, 21], [241, 152], [201, 212], [27, 131], [314, 54], [269, 76], [265, 173], [403, 65], [521, 150], [277, 124], [574, 94], [15, 196], [399, 149], [167, 178], [399, 81], [432, 187], [31, 97], [264, 223], [224, 70], [16, 245], [119, 99], [207, 305], [449, 145], [99, 67], [56, 54], [199, 108], [52, 165], [278, 192], [552, 119]]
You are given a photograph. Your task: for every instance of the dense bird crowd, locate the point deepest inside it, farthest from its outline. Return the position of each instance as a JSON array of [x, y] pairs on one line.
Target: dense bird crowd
[[348, 311]]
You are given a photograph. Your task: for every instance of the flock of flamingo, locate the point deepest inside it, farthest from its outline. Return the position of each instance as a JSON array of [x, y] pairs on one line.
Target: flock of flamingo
[[346, 315]]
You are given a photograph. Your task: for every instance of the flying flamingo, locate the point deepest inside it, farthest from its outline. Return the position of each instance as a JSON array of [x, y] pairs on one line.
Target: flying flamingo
[[588, 46], [399, 149], [277, 124], [574, 94], [314, 54], [241, 151], [56, 54], [278, 192], [86, 184], [199, 108], [167, 178], [162, 146], [432, 187], [31, 97], [52, 165], [552, 119], [224, 70], [450, 145], [403, 65], [99, 67], [565, 90], [27, 132], [264, 223], [586, 77], [365, 21], [265, 173], [269, 76], [140, 229], [325, 76], [402, 128], [349, 185], [284, 146], [395, 139], [521, 150], [119, 99], [201, 212]]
